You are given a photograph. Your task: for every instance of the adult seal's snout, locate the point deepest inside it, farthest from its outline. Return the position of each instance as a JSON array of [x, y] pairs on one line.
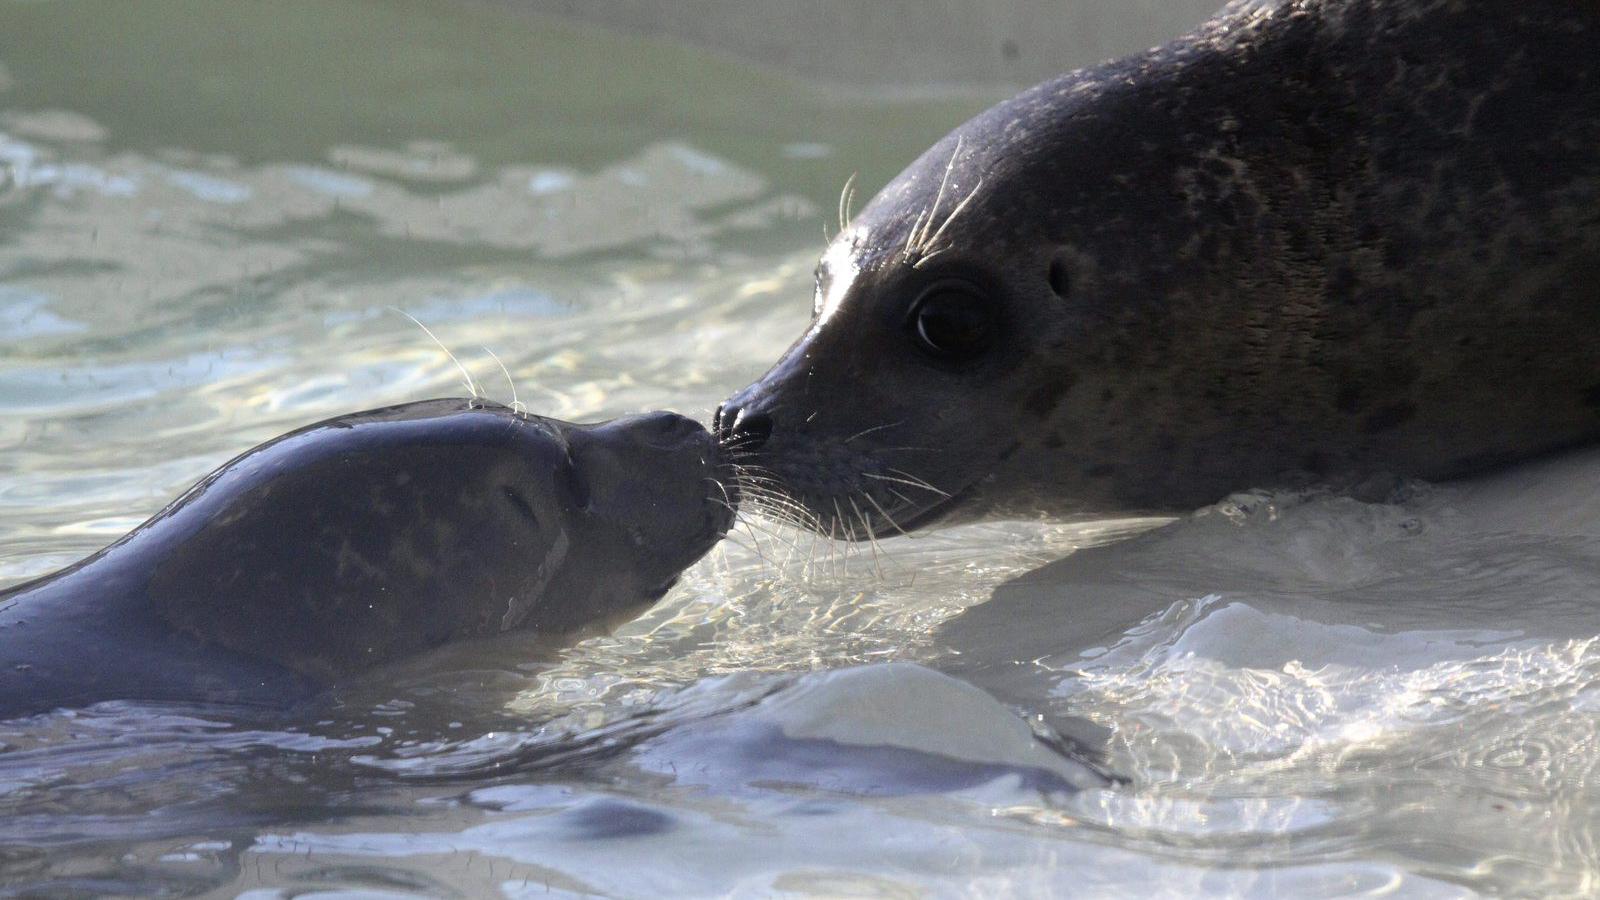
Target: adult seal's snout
[[1337, 237]]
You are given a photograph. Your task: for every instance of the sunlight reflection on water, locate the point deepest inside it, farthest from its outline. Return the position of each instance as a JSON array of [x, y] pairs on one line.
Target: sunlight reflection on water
[[1332, 699]]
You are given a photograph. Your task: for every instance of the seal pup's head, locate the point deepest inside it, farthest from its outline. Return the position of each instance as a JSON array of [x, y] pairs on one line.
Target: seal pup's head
[[369, 537]]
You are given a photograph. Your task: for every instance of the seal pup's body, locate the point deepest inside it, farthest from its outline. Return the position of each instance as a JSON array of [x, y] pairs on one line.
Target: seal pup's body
[[364, 540], [1341, 237]]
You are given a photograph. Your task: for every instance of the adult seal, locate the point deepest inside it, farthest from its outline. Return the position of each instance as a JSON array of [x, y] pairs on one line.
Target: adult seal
[[363, 540], [1325, 236]]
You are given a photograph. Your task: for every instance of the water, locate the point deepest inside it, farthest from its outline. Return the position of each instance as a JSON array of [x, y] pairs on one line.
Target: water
[[207, 211]]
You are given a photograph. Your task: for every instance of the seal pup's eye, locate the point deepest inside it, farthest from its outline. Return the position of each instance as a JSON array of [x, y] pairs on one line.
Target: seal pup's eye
[[950, 321]]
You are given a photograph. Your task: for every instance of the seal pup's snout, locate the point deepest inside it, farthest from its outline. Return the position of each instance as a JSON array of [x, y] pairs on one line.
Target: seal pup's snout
[[664, 430], [658, 471]]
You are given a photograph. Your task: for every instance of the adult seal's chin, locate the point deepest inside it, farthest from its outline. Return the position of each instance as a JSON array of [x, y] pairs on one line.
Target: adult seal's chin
[[1311, 238]]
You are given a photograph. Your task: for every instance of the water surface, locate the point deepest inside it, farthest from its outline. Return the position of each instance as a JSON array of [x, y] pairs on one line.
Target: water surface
[[208, 211]]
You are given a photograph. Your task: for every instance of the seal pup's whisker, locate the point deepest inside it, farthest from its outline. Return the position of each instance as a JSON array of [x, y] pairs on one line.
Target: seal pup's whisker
[[727, 499], [516, 405], [847, 197], [472, 386]]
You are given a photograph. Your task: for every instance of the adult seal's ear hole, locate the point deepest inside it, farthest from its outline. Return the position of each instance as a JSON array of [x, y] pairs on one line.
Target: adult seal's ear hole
[[951, 322], [1060, 278]]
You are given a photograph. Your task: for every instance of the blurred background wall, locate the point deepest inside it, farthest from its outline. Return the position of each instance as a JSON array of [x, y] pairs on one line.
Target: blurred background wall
[[906, 44]]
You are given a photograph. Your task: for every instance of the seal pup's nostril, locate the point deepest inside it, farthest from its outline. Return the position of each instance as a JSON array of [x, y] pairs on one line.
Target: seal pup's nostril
[[668, 426], [750, 431]]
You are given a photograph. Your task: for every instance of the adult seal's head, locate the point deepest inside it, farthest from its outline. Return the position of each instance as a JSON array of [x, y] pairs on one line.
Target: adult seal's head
[[365, 539], [1325, 237]]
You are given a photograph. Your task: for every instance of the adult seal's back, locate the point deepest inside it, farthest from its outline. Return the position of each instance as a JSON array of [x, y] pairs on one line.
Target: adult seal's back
[[1325, 236]]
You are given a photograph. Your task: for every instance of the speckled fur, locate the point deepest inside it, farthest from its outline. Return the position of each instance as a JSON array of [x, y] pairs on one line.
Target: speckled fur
[[1326, 236]]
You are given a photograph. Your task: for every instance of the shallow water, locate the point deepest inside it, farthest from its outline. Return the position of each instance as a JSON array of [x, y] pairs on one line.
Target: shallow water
[[207, 212]]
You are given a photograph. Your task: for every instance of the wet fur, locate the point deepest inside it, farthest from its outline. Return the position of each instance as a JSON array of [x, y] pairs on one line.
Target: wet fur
[[1317, 237]]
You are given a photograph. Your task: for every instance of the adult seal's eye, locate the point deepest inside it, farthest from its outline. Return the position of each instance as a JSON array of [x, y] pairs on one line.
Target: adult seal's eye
[[951, 322]]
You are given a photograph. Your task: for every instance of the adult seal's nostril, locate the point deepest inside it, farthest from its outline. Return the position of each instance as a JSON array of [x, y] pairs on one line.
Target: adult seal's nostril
[[722, 421], [750, 431]]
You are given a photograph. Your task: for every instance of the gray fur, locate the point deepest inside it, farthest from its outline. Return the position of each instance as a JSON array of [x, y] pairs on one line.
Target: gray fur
[[365, 539], [1325, 236]]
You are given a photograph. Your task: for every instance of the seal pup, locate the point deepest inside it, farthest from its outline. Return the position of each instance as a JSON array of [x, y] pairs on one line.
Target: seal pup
[[365, 539], [1336, 237]]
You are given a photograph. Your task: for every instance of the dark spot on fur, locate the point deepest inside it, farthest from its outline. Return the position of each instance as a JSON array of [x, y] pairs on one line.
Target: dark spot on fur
[[1103, 470], [1167, 442], [1591, 397], [1553, 79], [1007, 452], [1053, 385], [1389, 416], [1317, 462], [1348, 400], [1053, 441]]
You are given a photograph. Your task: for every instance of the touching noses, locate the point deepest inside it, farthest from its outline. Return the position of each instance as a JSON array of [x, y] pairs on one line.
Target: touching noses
[[739, 427]]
